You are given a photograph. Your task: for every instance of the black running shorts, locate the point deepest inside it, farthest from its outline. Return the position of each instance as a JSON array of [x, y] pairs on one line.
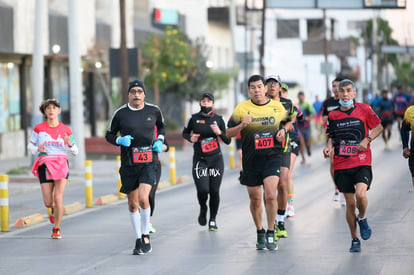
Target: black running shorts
[[254, 176], [411, 163], [44, 174], [346, 179], [286, 159], [132, 176]]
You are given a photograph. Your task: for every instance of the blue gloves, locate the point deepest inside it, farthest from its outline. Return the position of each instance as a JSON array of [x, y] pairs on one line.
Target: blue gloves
[[125, 140], [157, 146]]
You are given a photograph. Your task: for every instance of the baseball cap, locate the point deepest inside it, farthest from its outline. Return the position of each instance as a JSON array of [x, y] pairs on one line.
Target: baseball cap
[[209, 95], [47, 102], [274, 77], [137, 83], [285, 86]]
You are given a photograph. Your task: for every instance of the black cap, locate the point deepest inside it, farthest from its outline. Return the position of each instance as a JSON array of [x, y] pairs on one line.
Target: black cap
[[210, 96], [46, 103], [137, 83]]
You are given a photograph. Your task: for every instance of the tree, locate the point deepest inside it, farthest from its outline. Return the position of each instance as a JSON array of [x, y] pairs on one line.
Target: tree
[[405, 74]]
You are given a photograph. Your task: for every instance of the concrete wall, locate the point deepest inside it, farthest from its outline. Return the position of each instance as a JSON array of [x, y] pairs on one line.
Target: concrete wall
[[12, 145]]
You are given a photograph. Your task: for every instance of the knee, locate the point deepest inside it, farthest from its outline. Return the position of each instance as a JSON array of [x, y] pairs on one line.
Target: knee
[[351, 205], [133, 206], [48, 203]]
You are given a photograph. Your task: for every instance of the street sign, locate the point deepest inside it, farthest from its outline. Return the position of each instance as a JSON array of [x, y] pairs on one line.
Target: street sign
[[326, 68], [337, 4], [391, 49]]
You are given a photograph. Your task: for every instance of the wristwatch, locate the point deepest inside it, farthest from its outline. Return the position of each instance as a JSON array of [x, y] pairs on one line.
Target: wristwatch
[[369, 139]]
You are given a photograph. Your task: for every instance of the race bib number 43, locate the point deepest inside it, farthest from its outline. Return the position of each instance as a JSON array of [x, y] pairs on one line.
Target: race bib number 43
[[142, 154], [209, 144], [263, 141]]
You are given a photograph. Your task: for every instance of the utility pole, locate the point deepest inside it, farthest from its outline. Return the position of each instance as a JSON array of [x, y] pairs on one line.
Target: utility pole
[[75, 78], [325, 53], [37, 66], [262, 45], [123, 54]]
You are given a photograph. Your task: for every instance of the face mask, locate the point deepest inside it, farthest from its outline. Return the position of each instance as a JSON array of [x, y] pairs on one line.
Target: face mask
[[346, 104], [206, 110]]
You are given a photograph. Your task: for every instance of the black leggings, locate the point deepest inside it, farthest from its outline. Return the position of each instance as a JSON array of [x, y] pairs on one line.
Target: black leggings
[[154, 189], [207, 175]]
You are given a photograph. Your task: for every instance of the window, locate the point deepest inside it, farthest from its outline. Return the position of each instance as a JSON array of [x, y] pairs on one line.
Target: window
[[288, 28], [9, 97], [315, 29]]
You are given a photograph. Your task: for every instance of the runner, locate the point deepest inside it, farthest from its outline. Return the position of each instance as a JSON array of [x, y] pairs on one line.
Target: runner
[[408, 151], [203, 129], [294, 151], [263, 124], [48, 141], [304, 126], [349, 139], [317, 106], [135, 122], [385, 111], [401, 102], [273, 84], [328, 105]]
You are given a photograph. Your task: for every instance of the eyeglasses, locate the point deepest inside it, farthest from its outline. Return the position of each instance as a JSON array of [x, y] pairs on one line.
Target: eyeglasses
[[271, 82]]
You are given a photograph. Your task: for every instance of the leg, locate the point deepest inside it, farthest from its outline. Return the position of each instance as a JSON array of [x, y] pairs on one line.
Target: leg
[[47, 193], [350, 213], [214, 188], [270, 185], [282, 189], [58, 200], [201, 180], [361, 199], [255, 195]]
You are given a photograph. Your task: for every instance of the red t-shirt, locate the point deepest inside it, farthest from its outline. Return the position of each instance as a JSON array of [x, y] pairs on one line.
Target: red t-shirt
[[347, 129]]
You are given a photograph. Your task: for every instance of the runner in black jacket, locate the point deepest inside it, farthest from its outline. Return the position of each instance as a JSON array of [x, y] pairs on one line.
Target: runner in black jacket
[[203, 129]]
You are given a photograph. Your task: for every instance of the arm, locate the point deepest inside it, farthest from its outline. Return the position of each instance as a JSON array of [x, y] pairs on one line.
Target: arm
[[371, 136], [160, 123], [233, 131], [111, 133], [222, 132], [188, 129]]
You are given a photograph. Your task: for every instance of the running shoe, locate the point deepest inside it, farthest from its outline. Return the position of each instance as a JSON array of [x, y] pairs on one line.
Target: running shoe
[[212, 226], [280, 230], [202, 218], [271, 243], [355, 245], [51, 215], [56, 233], [261, 240], [342, 199], [290, 213], [364, 229], [146, 247], [151, 229], [336, 196], [138, 248]]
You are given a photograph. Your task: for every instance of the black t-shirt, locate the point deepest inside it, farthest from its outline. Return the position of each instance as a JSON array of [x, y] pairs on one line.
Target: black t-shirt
[[208, 143], [140, 124], [328, 105]]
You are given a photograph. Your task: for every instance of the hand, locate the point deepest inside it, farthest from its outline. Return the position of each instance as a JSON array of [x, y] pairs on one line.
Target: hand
[[194, 138], [157, 146], [67, 140], [281, 134], [41, 148], [246, 121], [215, 128], [406, 153], [125, 140], [326, 152], [363, 145]]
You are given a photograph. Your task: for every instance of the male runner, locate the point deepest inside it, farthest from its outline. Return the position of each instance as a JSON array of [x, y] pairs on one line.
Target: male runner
[[408, 151], [349, 140], [385, 111], [263, 124]]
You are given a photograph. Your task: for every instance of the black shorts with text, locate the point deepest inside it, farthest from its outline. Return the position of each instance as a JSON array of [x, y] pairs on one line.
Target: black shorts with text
[[346, 179]]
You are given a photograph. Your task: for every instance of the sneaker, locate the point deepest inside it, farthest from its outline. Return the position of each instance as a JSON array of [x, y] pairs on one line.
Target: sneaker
[[151, 229], [271, 243], [56, 233], [146, 247], [51, 216], [355, 245], [212, 226], [342, 199], [364, 229], [202, 217], [261, 240], [138, 248], [280, 230], [290, 213], [336, 196]]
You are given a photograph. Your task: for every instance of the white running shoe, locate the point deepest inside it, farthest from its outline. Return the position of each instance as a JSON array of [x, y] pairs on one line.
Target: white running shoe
[[290, 212], [342, 199], [336, 196], [151, 229]]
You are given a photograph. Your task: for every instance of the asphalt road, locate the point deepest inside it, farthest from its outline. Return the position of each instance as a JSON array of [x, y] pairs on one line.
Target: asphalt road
[[100, 240]]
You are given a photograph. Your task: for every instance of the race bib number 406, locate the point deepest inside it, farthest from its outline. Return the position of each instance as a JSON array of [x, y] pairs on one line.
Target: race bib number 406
[[347, 149], [263, 141], [142, 154]]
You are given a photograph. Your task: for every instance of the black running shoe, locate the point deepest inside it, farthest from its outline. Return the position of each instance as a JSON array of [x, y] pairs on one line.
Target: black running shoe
[[202, 218], [212, 225], [261, 239], [138, 248], [146, 247]]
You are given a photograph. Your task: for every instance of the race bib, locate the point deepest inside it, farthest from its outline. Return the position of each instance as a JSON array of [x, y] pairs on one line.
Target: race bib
[[141, 154], [209, 144], [348, 149], [263, 141]]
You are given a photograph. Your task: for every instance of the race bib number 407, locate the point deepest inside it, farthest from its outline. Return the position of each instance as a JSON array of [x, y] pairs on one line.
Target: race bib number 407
[[263, 141]]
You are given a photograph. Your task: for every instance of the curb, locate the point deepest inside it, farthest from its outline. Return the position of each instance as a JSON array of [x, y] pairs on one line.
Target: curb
[[106, 199], [29, 220], [72, 208]]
